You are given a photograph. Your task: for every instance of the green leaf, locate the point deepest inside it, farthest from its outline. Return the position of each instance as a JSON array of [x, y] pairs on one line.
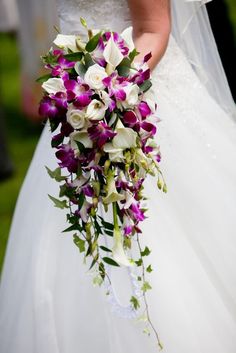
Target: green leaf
[[102, 271], [149, 268], [132, 54], [93, 42], [124, 67], [58, 203], [88, 60], [146, 251], [83, 22], [80, 243], [80, 68], [110, 261], [139, 262], [109, 232], [106, 225], [134, 301], [97, 227], [81, 199], [146, 286], [145, 85], [94, 261], [80, 146], [104, 248], [75, 226], [43, 78], [55, 174], [76, 56], [54, 124]]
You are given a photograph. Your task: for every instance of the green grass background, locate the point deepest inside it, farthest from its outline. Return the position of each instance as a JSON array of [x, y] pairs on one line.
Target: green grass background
[[22, 134]]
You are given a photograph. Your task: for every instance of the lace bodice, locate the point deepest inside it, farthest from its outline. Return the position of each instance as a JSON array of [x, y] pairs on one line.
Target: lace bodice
[[111, 14]]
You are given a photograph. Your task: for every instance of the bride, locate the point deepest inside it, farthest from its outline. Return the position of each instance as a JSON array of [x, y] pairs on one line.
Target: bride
[[47, 301]]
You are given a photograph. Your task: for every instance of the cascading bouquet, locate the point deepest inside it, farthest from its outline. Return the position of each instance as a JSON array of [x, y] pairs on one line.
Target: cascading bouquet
[[103, 125]]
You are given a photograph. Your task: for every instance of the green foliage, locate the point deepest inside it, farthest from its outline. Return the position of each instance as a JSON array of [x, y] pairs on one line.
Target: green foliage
[[149, 269], [76, 56], [55, 174], [80, 243], [145, 86], [58, 203], [43, 78], [134, 301], [110, 261], [146, 251], [146, 286], [93, 42]]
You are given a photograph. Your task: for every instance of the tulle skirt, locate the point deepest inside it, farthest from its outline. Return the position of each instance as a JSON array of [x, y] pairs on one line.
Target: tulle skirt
[[48, 303]]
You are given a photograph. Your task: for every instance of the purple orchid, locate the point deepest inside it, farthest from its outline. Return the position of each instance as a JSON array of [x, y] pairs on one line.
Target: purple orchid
[[68, 160], [97, 54], [62, 65], [78, 91], [115, 86], [101, 133], [53, 106], [144, 109], [136, 212]]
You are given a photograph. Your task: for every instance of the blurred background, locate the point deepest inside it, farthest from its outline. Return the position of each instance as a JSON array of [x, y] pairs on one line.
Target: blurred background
[[26, 31]]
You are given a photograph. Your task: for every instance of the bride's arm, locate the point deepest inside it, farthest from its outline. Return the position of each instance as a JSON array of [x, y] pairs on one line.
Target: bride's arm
[[151, 22]]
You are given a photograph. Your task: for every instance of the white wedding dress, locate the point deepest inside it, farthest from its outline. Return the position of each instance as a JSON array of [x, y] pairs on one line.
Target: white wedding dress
[[47, 301]]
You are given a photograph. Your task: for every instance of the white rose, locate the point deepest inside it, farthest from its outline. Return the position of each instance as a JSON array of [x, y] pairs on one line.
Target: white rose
[[94, 76], [66, 41], [131, 99], [54, 85], [95, 110], [76, 117]]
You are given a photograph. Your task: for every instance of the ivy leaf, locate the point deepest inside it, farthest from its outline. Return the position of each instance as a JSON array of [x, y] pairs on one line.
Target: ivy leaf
[[134, 301], [55, 174], [110, 261], [145, 85], [146, 251], [58, 203], [80, 243], [146, 286], [43, 78], [139, 262], [149, 268], [76, 56], [93, 42]]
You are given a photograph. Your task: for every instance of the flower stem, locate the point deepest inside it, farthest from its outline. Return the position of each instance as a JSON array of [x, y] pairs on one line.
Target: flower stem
[[146, 303]]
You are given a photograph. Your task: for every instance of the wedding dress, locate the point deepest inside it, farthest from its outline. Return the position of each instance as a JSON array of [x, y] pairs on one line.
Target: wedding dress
[[47, 301]]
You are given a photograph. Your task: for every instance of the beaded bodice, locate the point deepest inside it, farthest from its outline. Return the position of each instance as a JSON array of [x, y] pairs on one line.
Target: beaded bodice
[[112, 14]]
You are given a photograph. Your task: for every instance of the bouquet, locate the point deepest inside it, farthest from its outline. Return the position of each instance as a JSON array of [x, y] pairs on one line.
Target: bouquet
[[103, 124]]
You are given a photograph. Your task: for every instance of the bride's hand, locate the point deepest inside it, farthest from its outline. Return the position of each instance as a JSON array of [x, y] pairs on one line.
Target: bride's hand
[[151, 22]]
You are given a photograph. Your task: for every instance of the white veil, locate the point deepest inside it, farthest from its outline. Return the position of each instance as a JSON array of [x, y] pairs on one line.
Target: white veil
[[192, 31]]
